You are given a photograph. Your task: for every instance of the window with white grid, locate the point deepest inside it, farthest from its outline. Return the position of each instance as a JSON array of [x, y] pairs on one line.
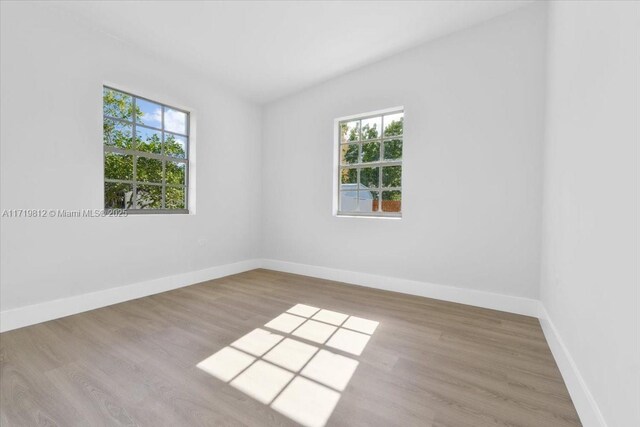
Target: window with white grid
[[370, 165], [146, 154]]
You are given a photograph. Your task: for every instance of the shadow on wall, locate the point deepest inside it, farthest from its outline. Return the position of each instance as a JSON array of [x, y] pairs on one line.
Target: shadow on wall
[[293, 371]]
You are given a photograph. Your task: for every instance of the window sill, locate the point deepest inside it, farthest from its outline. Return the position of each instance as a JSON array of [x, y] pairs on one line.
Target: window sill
[[350, 215]]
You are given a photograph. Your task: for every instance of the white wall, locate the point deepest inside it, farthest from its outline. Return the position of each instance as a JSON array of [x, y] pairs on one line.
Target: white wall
[[590, 244], [53, 68], [474, 110]]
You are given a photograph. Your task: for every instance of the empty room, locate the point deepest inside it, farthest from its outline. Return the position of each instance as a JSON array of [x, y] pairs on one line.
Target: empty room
[[319, 213]]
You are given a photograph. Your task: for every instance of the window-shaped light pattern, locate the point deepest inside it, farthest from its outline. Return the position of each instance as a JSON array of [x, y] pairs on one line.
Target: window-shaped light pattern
[[298, 363], [146, 154], [370, 165]]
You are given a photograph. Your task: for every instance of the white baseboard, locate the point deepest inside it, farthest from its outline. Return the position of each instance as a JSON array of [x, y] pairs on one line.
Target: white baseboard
[[511, 304], [49, 310], [583, 400]]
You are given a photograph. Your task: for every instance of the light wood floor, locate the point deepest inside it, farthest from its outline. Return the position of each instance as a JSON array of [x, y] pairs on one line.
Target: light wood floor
[[429, 363]]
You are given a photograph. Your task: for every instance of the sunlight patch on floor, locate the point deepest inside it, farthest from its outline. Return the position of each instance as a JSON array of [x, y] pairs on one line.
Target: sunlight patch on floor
[[226, 364], [330, 369], [307, 402], [291, 354], [262, 381], [315, 331], [299, 369], [257, 342], [285, 323], [349, 341]]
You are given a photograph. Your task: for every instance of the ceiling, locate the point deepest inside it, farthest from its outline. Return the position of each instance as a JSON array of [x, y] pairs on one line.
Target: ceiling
[[266, 50]]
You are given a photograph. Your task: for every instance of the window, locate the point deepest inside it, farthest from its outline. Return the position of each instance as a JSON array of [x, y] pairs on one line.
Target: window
[[370, 165], [146, 146]]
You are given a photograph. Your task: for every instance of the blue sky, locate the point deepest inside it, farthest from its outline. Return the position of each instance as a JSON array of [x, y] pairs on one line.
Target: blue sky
[[174, 121]]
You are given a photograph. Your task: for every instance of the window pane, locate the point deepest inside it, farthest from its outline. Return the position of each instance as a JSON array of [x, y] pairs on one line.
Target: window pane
[[369, 177], [393, 124], [393, 149], [349, 176], [148, 140], [116, 134], [368, 201], [117, 104], [348, 154], [370, 152], [149, 170], [175, 172], [174, 198], [392, 176], [349, 200], [148, 113], [175, 146], [149, 197], [117, 195], [391, 201], [371, 128], [350, 131], [175, 121], [118, 166]]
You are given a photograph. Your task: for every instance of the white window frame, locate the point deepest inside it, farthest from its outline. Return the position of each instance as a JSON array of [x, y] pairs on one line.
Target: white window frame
[[187, 186], [338, 166]]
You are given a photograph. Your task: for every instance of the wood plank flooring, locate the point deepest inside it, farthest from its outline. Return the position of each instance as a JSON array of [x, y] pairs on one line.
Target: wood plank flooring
[[429, 363]]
